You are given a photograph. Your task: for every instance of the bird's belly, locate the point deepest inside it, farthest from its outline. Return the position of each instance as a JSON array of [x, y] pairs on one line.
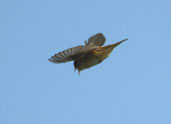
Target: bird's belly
[[84, 63], [91, 60]]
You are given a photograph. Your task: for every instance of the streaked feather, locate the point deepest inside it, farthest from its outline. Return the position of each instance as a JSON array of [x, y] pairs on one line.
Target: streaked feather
[[79, 51], [66, 55]]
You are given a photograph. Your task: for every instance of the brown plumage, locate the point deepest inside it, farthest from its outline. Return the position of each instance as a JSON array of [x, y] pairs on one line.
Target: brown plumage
[[88, 55]]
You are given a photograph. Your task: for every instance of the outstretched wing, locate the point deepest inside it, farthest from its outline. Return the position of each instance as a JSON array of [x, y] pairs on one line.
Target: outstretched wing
[[79, 51], [66, 55], [96, 40]]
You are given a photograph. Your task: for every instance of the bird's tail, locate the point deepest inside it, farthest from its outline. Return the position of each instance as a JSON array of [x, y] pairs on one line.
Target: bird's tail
[[117, 43], [109, 48]]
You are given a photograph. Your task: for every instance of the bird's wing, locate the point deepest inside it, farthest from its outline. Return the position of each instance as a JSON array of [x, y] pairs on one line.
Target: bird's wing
[[72, 54], [96, 40], [79, 51], [66, 55]]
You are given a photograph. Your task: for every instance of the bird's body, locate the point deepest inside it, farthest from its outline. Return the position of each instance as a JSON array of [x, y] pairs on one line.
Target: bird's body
[[86, 56]]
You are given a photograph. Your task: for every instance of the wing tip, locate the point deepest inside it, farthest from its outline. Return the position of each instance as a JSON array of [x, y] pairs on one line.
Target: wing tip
[[53, 60]]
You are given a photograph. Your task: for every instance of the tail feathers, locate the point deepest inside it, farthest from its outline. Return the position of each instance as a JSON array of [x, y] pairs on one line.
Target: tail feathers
[[117, 43]]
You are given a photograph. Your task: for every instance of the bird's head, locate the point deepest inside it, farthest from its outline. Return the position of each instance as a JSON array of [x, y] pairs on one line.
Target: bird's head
[[77, 66]]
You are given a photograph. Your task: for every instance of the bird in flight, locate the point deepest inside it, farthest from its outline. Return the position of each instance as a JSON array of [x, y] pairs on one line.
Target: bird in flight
[[88, 55]]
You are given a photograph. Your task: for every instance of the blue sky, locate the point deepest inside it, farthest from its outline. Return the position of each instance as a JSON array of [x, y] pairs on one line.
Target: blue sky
[[132, 86]]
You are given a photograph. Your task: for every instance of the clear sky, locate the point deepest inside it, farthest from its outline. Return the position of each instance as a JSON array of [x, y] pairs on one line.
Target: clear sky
[[132, 86]]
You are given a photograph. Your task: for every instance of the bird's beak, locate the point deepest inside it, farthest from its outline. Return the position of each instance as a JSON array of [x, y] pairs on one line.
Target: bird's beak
[[78, 71]]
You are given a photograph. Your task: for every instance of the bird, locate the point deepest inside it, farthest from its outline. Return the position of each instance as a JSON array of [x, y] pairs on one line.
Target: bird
[[88, 55]]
